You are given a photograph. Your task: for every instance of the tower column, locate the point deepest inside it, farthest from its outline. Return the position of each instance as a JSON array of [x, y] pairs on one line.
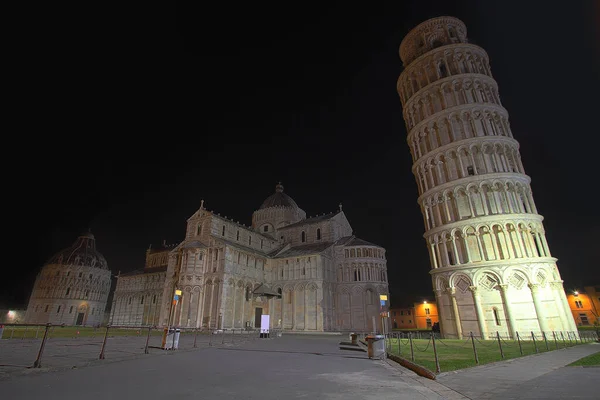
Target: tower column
[[480, 316], [541, 315], [508, 310], [452, 293], [438, 299], [563, 314]]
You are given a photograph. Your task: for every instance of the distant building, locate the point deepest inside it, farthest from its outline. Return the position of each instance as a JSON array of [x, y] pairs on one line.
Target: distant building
[[13, 316], [422, 315], [585, 306], [491, 266], [308, 274], [72, 287]]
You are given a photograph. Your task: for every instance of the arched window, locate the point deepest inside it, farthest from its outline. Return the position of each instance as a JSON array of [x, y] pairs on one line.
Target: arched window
[[238, 235], [303, 236], [266, 228], [318, 233], [68, 291], [249, 240], [223, 231], [279, 292], [248, 294], [198, 229]]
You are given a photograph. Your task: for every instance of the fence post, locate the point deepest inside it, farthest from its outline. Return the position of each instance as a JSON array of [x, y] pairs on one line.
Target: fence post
[[195, 338], [563, 339], [24, 333], [534, 343], [545, 340], [555, 342], [474, 349], [223, 336], [500, 344], [12, 331], [519, 341], [37, 331], [437, 362], [412, 352], [399, 351], [38, 362], [101, 356], [147, 340]]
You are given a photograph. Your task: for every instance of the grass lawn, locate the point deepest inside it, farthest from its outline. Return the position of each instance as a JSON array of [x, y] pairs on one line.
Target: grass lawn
[[593, 359], [456, 354]]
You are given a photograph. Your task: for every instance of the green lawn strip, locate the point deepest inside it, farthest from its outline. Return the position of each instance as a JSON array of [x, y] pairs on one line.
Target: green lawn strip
[[458, 354], [592, 359]]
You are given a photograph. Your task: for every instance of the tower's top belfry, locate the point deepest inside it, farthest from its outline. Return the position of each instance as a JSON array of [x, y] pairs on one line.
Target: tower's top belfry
[[430, 34]]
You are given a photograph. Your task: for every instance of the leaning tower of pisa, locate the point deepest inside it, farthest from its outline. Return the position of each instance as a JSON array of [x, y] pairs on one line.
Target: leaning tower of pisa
[[491, 267]]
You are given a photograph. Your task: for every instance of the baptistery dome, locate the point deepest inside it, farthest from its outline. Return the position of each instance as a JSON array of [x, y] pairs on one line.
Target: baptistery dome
[[82, 253]]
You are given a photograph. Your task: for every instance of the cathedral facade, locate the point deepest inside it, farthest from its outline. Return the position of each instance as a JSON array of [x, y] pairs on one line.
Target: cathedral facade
[[491, 266], [307, 274]]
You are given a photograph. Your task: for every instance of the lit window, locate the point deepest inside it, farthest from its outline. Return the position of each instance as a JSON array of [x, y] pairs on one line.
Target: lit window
[[427, 311]]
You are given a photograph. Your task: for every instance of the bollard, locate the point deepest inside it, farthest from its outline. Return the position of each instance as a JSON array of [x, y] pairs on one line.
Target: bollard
[[519, 340], [147, 340], [101, 356], [38, 362], [412, 352], [437, 362], [545, 340], [210, 335], [195, 337], [534, 343], [500, 345], [223, 336], [474, 349]]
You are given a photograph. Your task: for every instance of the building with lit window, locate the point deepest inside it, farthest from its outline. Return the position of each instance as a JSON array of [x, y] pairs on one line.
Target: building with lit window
[[585, 306], [422, 315], [491, 265], [308, 274]]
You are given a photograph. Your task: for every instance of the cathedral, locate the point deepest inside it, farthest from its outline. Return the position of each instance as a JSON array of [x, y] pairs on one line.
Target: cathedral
[[308, 274]]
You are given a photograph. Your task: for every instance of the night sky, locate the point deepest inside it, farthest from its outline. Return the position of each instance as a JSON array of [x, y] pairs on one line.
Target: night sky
[[127, 118]]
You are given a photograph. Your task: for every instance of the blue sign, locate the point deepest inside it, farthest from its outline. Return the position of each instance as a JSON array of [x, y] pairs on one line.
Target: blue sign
[[382, 303], [176, 297]]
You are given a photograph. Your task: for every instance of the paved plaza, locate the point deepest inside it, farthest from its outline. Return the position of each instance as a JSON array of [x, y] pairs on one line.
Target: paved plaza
[[291, 366]]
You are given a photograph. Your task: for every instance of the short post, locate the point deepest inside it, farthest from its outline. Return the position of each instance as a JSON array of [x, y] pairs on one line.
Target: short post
[[555, 341], [474, 349], [101, 356], [223, 336], [545, 340], [195, 337], [37, 331], [147, 340], [12, 331], [412, 352], [210, 335], [519, 340], [398, 339], [534, 343], [38, 362], [500, 344], [437, 362]]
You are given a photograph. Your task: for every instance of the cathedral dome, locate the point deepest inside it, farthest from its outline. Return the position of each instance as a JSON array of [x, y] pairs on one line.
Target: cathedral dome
[[279, 199], [82, 253]]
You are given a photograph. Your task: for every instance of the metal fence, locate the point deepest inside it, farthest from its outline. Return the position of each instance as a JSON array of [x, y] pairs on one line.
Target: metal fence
[[34, 346], [430, 350]]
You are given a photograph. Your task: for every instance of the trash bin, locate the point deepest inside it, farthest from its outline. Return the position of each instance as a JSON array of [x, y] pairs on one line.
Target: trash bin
[[177, 333], [167, 338], [354, 338], [376, 346], [1, 330]]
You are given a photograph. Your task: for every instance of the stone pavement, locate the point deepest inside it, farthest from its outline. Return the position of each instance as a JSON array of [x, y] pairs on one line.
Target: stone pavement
[[293, 366], [541, 376]]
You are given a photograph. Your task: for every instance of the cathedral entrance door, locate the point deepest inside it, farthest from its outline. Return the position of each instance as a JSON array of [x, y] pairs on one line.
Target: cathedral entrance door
[[79, 318], [257, 315]]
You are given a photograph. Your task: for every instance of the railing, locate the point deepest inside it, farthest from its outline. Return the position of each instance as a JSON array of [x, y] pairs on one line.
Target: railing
[[68, 345]]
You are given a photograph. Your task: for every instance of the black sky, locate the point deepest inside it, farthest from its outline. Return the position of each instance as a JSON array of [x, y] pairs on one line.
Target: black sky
[[126, 118]]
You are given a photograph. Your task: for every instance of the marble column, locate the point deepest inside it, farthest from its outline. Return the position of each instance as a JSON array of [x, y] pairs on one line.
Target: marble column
[[539, 310], [457, 321], [480, 315], [508, 310], [438, 299]]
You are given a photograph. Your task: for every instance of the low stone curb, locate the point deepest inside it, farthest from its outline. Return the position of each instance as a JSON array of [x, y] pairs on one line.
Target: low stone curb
[[419, 370]]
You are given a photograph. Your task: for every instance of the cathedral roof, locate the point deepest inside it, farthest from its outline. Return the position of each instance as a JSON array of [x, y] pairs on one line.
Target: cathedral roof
[[82, 253], [279, 199], [311, 220], [359, 242], [305, 250]]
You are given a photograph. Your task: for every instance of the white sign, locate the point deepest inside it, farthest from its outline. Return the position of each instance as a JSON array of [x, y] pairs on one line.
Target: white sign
[[264, 324]]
